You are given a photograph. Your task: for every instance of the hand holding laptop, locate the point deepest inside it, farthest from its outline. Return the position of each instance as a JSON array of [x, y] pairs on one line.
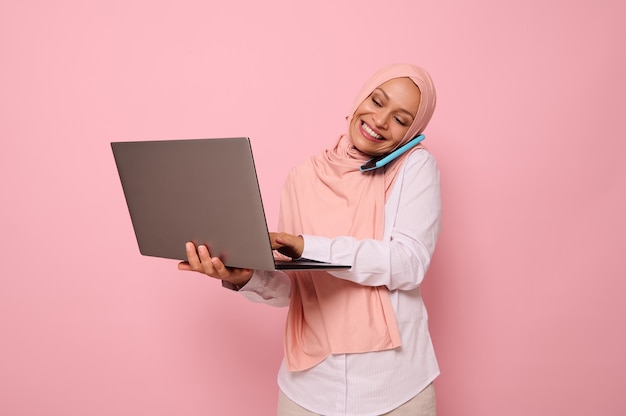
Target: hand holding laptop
[[199, 260]]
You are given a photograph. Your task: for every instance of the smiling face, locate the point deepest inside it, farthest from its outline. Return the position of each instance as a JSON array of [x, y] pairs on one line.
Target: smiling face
[[382, 119]]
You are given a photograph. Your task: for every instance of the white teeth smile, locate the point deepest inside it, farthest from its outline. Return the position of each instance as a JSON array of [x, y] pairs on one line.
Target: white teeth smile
[[371, 132]]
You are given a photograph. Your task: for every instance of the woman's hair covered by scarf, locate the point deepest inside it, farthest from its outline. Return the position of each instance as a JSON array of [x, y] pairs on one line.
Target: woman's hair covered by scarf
[[420, 77]]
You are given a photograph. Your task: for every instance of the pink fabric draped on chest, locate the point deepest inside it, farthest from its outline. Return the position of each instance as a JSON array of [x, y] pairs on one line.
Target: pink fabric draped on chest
[[329, 196]]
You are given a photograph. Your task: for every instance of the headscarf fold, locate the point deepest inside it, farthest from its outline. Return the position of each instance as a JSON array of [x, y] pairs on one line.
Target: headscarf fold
[[329, 196]]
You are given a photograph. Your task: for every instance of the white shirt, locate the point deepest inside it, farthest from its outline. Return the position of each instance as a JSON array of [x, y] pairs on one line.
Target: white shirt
[[375, 382]]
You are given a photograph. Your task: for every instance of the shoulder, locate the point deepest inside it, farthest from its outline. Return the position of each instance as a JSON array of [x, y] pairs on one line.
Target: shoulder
[[420, 160]]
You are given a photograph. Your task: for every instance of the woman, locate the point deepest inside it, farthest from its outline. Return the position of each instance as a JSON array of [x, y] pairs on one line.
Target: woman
[[356, 341]]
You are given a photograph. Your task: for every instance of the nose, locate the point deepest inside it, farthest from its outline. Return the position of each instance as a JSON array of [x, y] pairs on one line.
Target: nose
[[381, 119]]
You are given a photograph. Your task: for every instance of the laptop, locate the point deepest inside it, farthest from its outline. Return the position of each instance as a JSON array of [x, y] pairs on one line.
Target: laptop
[[200, 190]]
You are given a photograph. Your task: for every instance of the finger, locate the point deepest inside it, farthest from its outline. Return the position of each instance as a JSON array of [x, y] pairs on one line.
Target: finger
[[184, 265], [206, 262], [281, 240], [274, 240], [219, 268], [192, 257]]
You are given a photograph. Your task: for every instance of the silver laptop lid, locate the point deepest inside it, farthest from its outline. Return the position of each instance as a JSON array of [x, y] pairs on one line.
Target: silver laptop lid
[[200, 190]]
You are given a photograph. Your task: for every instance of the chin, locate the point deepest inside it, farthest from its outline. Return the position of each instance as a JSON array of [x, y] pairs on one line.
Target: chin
[[369, 148], [363, 145]]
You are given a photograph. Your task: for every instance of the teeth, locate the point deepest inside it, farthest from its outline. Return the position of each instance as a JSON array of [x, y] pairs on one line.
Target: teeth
[[371, 132]]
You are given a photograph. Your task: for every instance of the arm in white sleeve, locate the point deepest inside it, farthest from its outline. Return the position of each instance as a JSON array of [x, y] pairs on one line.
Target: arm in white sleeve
[[412, 223], [272, 288]]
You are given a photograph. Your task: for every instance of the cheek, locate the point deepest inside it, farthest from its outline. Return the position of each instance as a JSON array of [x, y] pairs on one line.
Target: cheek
[[352, 129], [399, 132], [363, 108]]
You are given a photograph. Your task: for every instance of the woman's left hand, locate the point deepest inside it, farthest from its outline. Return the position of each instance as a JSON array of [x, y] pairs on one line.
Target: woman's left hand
[[288, 244]]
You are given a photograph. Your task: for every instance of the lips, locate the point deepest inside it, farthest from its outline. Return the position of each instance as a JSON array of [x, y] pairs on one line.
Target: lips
[[368, 132]]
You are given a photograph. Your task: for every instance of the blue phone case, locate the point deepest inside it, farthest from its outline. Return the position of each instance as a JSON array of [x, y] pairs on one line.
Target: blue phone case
[[380, 161]]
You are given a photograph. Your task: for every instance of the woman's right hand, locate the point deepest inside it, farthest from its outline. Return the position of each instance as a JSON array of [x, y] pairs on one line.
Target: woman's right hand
[[199, 260], [287, 244]]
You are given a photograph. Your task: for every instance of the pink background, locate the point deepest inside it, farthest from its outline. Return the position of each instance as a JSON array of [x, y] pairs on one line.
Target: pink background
[[526, 292]]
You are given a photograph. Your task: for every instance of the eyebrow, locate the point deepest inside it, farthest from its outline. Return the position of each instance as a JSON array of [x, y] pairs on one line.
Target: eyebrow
[[404, 110]]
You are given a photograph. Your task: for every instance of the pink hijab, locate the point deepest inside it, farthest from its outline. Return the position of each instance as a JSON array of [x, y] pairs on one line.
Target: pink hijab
[[329, 196]]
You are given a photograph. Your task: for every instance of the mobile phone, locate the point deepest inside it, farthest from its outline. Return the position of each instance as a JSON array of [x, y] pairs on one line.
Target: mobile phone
[[380, 161]]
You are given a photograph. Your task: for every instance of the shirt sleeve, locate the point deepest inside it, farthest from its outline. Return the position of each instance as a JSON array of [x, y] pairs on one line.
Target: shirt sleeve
[[272, 288], [412, 224]]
